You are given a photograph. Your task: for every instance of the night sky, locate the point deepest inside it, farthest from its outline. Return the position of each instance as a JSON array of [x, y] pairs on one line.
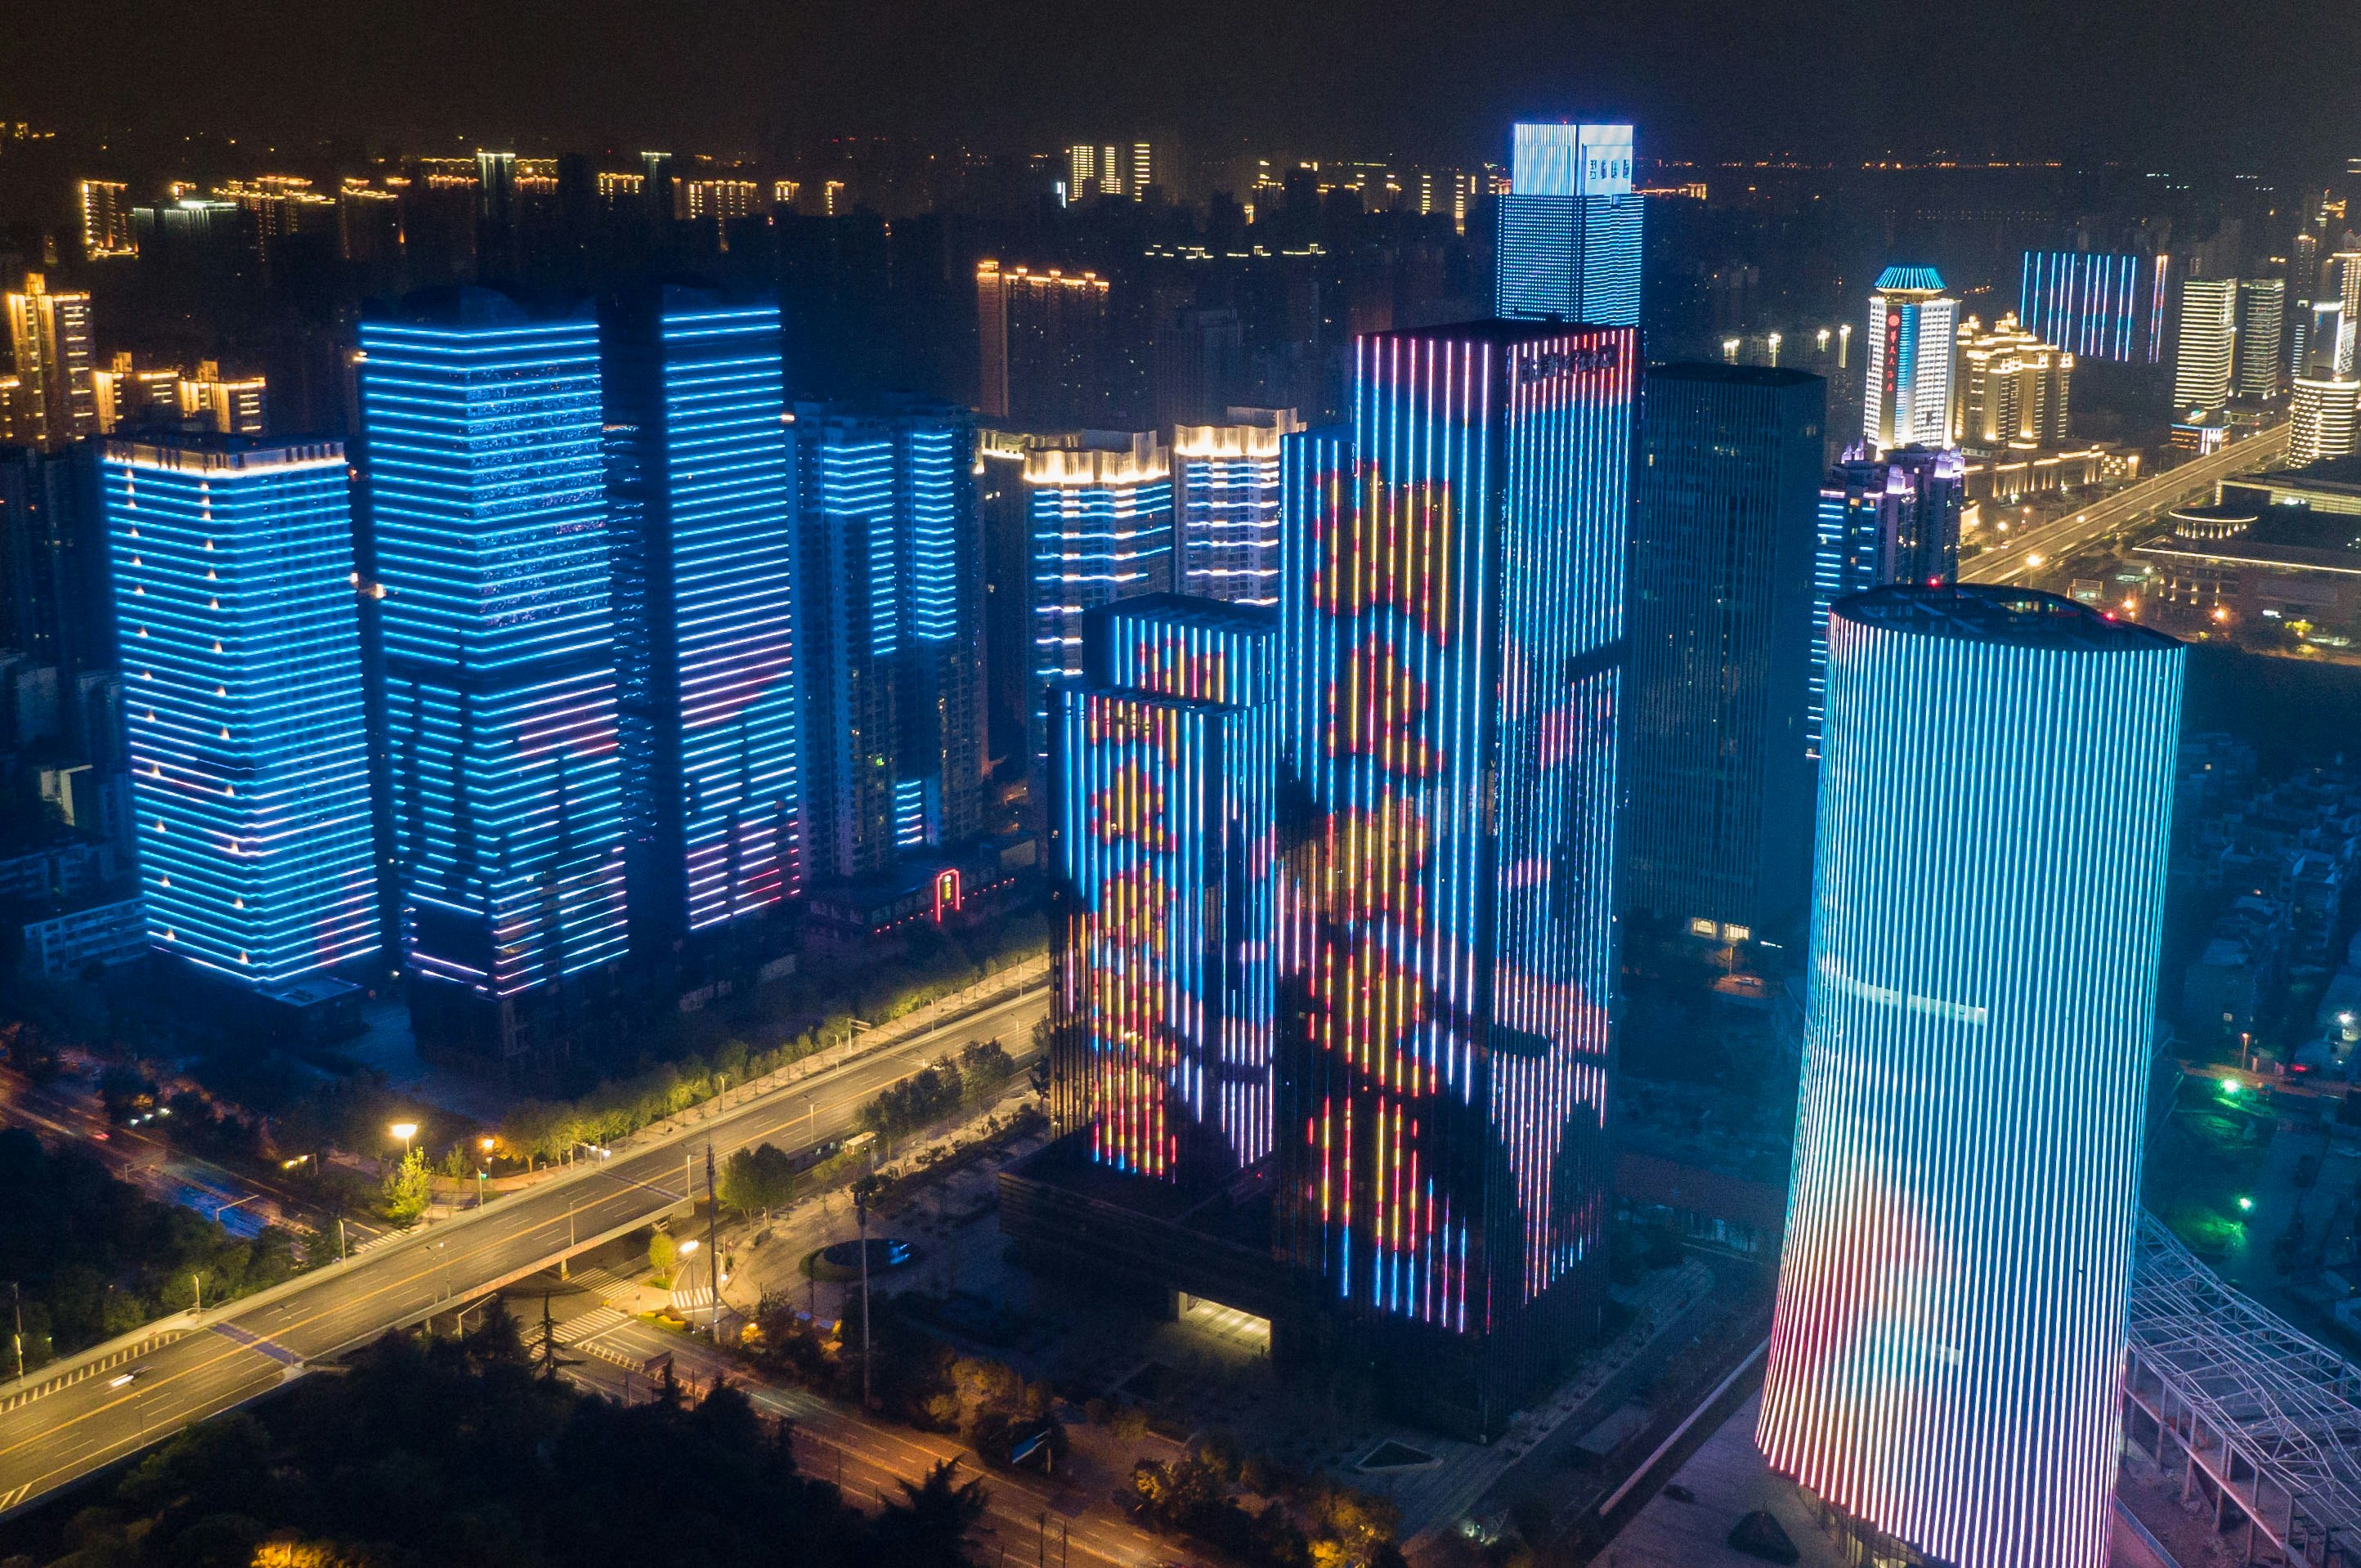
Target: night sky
[[2177, 83]]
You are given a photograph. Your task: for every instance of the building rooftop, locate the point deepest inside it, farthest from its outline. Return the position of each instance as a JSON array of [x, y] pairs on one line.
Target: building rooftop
[[1983, 612], [1185, 610], [1492, 329], [207, 450], [1909, 280]]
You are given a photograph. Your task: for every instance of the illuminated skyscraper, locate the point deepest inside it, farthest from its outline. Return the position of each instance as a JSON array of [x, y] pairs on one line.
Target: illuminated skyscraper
[[240, 637], [2206, 347], [488, 521], [106, 220], [1570, 226], [891, 631], [1454, 606], [2262, 313], [1101, 527], [2014, 390], [1225, 486], [2323, 418], [1895, 521], [700, 509], [1948, 1341], [1911, 325], [2094, 306], [57, 401], [1164, 846], [1717, 822]]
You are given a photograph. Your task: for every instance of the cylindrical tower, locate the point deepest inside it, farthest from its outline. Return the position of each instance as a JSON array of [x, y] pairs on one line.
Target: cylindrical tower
[[1995, 803]]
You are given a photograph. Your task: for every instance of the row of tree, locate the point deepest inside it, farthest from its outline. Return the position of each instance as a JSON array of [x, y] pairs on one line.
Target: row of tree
[[936, 1092]]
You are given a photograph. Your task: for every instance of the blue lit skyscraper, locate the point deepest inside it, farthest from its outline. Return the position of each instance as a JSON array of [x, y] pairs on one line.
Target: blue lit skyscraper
[[701, 504], [1225, 492], [2095, 305], [1570, 227], [1895, 520], [1948, 1347], [891, 629], [488, 515], [1913, 336], [1453, 612], [240, 636], [1101, 527]]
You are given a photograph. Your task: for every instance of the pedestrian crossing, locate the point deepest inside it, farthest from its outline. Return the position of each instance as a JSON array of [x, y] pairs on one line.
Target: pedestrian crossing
[[600, 1279], [597, 1321]]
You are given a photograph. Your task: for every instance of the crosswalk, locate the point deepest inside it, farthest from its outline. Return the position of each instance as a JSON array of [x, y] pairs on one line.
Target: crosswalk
[[596, 1321], [600, 1279]]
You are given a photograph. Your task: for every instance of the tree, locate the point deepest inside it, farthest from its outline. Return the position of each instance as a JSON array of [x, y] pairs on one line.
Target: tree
[[408, 1190], [928, 1526], [662, 1252], [758, 1180]]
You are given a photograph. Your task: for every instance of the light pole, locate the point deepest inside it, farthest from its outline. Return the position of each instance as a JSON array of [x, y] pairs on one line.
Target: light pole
[[713, 1238], [861, 1211]]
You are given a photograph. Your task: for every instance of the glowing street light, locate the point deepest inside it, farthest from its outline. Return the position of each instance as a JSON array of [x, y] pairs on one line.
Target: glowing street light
[[2245, 1204], [405, 1130]]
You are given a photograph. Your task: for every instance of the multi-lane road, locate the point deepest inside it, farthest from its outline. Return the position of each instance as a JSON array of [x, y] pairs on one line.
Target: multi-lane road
[[2037, 549], [49, 1440]]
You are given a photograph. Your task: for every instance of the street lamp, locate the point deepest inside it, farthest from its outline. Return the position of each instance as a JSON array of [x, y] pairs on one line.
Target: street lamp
[[405, 1130], [2245, 1204]]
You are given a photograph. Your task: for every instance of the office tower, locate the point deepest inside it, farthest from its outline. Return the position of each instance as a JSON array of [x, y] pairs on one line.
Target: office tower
[[1948, 1341], [2321, 418], [2262, 311], [2014, 390], [1165, 855], [1047, 346], [489, 529], [2095, 305], [1226, 490], [1911, 327], [2341, 279], [1719, 816], [1102, 530], [2303, 261], [892, 629], [1454, 606], [2326, 348], [1082, 175], [1890, 521], [1570, 226], [106, 220], [233, 564], [55, 605], [2206, 347], [700, 509], [655, 186], [51, 334], [1197, 359]]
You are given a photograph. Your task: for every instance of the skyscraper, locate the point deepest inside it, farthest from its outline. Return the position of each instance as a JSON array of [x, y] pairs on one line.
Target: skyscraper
[[2014, 390], [2095, 305], [1912, 323], [1717, 819], [2206, 347], [54, 603], [2321, 418], [1046, 346], [1894, 520], [489, 529], [106, 220], [701, 505], [1226, 487], [1948, 1341], [240, 631], [2262, 314], [1164, 848], [1454, 606], [891, 626], [56, 399], [1570, 226], [1102, 527]]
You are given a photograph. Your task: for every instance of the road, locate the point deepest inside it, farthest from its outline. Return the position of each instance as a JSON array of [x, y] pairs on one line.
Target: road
[[251, 1347], [2041, 548]]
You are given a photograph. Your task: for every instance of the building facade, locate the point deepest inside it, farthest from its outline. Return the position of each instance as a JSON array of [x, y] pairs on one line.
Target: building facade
[[1046, 343], [2096, 305], [2262, 321], [1913, 325], [1454, 606], [1718, 798], [2324, 419], [893, 633], [2014, 390], [249, 749], [487, 523], [1949, 1339], [1890, 521], [1225, 493], [50, 333], [700, 509], [1102, 530], [1570, 226], [2205, 351]]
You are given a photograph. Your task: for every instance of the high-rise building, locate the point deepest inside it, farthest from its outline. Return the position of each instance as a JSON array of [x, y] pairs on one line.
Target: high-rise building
[[1454, 606], [2014, 390], [700, 509], [1948, 1349], [2207, 348], [1164, 846], [2095, 305], [51, 334], [892, 630], [249, 749], [2262, 314], [55, 606], [1570, 226], [1912, 324], [1226, 488], [1047, 346], [1890, 521], [487, 524], [2321, 418], [1718, 817], [1102, 528], [106, 220], [2325, 340]]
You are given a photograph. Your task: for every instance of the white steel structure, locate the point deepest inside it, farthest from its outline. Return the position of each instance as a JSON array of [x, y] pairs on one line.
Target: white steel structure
[[1950, 1332]]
